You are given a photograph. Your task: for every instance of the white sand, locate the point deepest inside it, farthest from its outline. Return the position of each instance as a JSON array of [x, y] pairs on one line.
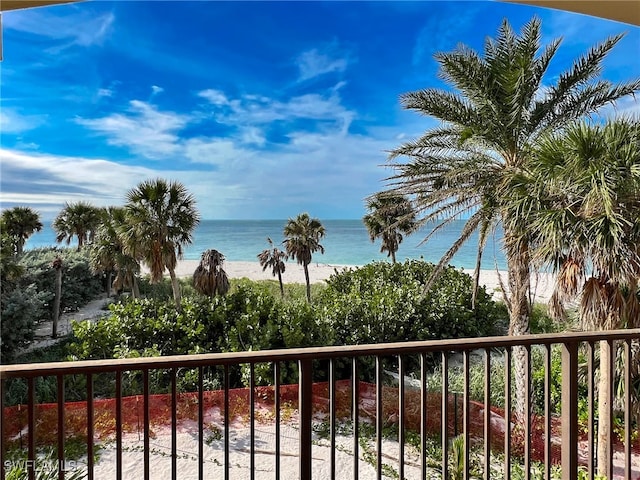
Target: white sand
[[541, 283], [239, 447]]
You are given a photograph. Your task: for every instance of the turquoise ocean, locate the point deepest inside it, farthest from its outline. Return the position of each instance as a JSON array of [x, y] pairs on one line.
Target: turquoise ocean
[[346, 243]]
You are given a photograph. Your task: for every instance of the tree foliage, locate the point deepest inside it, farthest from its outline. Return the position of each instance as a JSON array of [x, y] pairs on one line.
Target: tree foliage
[[210, 278], [389, 217], [275, 259], [302, 240], [19, 223], [80, 220]]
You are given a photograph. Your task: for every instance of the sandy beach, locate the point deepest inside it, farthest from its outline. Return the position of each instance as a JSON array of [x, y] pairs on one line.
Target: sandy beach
[[542, 283]]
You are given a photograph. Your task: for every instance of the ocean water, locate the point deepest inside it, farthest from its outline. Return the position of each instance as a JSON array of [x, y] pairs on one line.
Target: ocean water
[[346, 243]]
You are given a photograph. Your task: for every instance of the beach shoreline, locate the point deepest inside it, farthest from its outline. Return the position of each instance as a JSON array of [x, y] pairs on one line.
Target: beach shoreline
[[542, 283]]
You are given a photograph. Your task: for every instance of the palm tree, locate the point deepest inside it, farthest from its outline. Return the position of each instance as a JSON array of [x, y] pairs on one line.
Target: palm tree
[[57, 265], [80, 220], [275, 258], [19, 223], [160, 219], [389, 217], [302, 239], [500, 105], [107, 253], [586, 225], [209, 277]]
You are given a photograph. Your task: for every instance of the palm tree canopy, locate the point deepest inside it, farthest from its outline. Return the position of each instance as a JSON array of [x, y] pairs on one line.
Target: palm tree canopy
[[79, 219], [161, 217], [303, 235], [209, 277], [389, 217], [19, 223], [499, 105], [273, 258], [585, 191], [108, 252]]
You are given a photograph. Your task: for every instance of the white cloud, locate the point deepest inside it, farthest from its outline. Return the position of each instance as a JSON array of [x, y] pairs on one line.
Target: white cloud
[[156, 89], [13, 122], [314, 63], [81, 28], [105, 92], [214, 151], [216, 97], [143, 129]]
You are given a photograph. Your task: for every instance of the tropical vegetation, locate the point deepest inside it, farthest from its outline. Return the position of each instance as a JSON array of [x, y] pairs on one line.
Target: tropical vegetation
[[584, 204], [275, 259], [302, 240], [79, 220], [160, 219], [19, 223], [498, 107], [389, 217], [210, 278]]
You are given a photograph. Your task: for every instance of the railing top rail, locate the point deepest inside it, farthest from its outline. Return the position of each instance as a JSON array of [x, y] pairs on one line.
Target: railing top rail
[[309, 353]]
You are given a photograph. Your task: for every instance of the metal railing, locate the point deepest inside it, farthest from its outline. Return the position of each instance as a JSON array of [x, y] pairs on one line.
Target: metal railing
[[364, 366]]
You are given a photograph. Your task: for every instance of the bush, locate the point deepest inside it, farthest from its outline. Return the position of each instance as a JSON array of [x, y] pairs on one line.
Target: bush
[[79, 284], [383, 302]]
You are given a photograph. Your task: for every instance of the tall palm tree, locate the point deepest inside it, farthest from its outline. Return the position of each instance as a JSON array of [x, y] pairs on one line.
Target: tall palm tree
[[586, 225], [275, 258], [80, 220], [499, 105], [302, 239], [389, 217], [209, 277], [19, 223], [108, 254], [160, 219]]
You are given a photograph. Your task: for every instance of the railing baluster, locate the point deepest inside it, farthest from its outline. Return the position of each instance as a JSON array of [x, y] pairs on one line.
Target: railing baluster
[[423, 415], [569, 410], [592, 434], [2, 430], [60, 402], [507, 413], [147, 429], [90, 429], [379, 419], [332, 417], [445, 415], [355, 412], [276, 406], [465, 413], [119, 424], [200, 423], [612, 374], [305, 408], [174, 424], [401, 416], [547, 412], [252, 421], [528, 418], [31, 409], [487, 414], [627, 409], [227, 465]]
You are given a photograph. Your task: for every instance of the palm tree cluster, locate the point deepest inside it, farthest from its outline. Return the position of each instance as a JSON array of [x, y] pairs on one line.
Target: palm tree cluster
[[511, 150]]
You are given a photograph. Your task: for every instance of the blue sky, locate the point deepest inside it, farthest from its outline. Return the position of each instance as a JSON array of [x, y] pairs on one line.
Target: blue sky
[[263, 110]]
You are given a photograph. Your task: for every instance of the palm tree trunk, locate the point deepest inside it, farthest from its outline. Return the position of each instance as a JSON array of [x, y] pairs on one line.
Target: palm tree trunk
[[135, 288], [604, 408], [175, 285], [393, 256], [281, 285], [519, 315], [306, 277]]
